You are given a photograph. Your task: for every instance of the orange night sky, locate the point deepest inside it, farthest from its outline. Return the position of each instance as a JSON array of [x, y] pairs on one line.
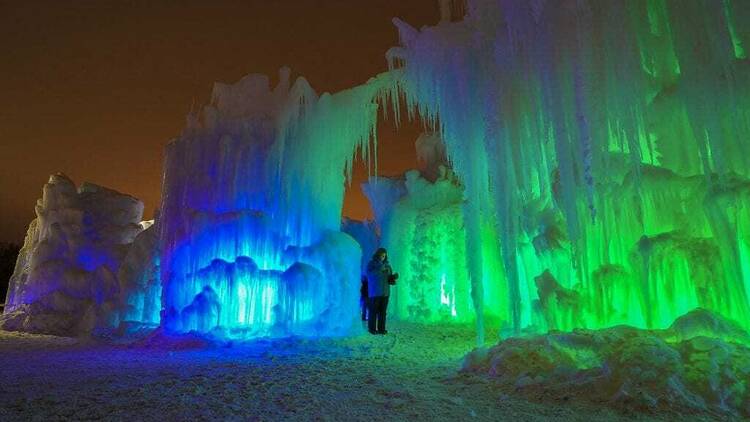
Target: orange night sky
[[95, 89]]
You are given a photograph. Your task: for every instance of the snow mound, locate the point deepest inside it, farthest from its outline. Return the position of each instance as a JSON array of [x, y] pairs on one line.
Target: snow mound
[[701, 363]]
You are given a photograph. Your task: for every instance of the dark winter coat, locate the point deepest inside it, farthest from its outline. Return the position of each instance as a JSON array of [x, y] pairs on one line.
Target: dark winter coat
[[378, 273]]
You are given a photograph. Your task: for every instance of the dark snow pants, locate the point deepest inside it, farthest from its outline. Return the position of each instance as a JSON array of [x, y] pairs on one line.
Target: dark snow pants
[[376, 318], [364, 304]]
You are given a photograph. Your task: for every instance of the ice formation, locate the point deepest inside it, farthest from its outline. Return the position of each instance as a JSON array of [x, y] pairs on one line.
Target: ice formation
[[589, 167], [65, 281], [420, 221], [700, 363], [139, 277], [252, 198], [604, 143], [366, 235]]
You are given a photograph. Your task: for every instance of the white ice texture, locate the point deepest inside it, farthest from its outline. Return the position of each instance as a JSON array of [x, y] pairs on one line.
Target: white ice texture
[[559, 107], [66, 277], [251, 207], [602, 149]]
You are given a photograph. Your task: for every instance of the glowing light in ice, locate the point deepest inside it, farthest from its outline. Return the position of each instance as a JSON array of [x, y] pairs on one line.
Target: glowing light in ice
[[601, 152]]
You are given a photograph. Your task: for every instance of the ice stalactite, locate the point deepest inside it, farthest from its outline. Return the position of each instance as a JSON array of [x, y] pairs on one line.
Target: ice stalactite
[[596, 174], [424, 234], [252, 199], [422, 221], [580, 130]]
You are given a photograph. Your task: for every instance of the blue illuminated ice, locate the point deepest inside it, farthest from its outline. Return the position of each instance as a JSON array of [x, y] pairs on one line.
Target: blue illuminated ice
[[251, 211], [66, 276]]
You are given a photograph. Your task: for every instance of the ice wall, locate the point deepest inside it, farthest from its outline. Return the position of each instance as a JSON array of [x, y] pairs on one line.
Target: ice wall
[[65, 281], [140, 279], [367, 236], [424, 234], [605, 143], [252, 198], [420, 219]]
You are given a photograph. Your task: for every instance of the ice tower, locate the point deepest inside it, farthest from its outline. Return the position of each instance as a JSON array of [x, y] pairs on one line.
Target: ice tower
[[251, 211]]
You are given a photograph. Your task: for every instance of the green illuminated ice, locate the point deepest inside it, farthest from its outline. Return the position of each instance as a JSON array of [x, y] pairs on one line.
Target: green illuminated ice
[[602, 152], [587, 164]]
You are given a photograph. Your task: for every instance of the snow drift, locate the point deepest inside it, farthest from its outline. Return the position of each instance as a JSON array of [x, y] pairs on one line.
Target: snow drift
[[700, 363]]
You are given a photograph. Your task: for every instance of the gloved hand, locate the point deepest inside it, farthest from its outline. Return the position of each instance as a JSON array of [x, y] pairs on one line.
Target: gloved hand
[[392, 279]]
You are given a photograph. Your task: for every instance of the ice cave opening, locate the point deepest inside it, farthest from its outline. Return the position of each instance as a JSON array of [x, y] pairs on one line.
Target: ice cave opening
[[414, 203]]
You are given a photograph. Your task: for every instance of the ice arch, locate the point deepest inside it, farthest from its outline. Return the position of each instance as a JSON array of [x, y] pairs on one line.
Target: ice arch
[[601, 147]]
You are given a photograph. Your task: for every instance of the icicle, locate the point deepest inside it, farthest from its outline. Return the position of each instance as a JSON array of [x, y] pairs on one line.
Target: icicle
[[577, 105]]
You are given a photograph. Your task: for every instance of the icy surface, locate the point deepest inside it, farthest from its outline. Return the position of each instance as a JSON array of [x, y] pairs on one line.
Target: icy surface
[[408, 375], [139, 278], [421, 225], [65, 281], [586, 166], [700, 364], [576, 174], [603, 142], [366, 235], [251, 206]]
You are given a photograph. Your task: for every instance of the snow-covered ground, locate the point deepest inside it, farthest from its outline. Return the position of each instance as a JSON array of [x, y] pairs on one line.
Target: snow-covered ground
[[410, 374]]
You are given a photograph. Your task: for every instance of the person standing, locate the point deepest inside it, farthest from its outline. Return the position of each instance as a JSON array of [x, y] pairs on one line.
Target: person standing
[[379, 279]]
